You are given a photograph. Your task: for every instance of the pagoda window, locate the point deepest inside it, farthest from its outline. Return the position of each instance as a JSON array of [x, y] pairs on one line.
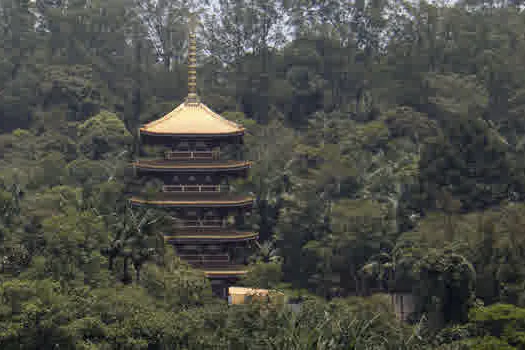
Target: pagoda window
[[175, 179], [207, 179], [183, 146], [201, 146], [192, 178], [210, 220], [217, 249], [191, 219]]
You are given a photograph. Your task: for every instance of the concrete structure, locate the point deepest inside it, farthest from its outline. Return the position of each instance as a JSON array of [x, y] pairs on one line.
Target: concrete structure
[[404, 305], [241, 295]]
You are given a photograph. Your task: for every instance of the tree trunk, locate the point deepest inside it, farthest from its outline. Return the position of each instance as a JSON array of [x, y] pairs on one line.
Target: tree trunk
[[357, 288], [111, 261], [126, 278], [167, 62], [138, 268]]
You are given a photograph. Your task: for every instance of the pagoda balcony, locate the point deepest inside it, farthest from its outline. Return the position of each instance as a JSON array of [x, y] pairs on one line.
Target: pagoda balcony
[[205, 259], [206, 224], [193, 200], [215, 266], [192, 155], [193, 166], [196, 188]]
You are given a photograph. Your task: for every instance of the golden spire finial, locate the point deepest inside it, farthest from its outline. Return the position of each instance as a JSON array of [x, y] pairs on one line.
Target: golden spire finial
[[192, 62]]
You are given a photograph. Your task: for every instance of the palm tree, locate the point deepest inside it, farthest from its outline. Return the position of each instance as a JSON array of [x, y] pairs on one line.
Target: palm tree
[[137, 238], [267, 252]]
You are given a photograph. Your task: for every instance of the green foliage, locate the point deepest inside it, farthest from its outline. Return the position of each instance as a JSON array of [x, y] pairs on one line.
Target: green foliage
[[85, 171], [263, 275], [51, 170], [102, 134], [481, 343], [387, 141], [457, 95], [71, 86], [41, 314], [175, 284], [72, 247], [55, 201], [470, 161], [446, 285], [502, 321]]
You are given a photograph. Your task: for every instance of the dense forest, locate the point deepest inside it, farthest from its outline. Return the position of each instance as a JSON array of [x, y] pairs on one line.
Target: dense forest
[[388, 142]]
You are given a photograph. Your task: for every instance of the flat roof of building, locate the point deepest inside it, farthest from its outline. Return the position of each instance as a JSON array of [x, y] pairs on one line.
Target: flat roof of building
[[251, 291]]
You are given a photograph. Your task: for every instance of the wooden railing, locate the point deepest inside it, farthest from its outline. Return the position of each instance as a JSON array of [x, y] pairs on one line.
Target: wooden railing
[[206, 259], [195, 188], [192, 155], [202, 224]]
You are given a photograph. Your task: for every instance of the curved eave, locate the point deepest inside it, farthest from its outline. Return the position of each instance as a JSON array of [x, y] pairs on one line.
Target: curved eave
[[218, 238], [239, 132], [152, 167], [192, 203]]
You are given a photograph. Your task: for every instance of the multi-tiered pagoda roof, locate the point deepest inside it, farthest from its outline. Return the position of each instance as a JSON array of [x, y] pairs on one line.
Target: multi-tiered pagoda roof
[[195, 174]]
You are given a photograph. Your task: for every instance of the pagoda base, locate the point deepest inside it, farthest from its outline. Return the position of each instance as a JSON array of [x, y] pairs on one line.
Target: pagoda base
[[219, 288], [222, 277]]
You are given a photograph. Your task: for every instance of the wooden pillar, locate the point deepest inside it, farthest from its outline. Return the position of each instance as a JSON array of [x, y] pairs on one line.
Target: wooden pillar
[[239, 220]]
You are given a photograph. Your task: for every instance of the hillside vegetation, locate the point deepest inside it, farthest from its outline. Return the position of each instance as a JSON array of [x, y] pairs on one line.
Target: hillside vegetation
[[388, 141]]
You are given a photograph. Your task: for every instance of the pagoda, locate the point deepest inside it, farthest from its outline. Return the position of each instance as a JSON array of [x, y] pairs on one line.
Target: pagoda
[[201, 155]]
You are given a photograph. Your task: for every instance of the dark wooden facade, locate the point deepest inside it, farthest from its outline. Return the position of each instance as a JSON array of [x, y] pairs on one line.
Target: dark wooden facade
[[210, 230]]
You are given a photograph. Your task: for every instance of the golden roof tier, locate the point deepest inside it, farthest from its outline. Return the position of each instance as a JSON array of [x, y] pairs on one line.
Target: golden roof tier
[[212, 237], [194, 200], [192, 119], [225, 272]]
